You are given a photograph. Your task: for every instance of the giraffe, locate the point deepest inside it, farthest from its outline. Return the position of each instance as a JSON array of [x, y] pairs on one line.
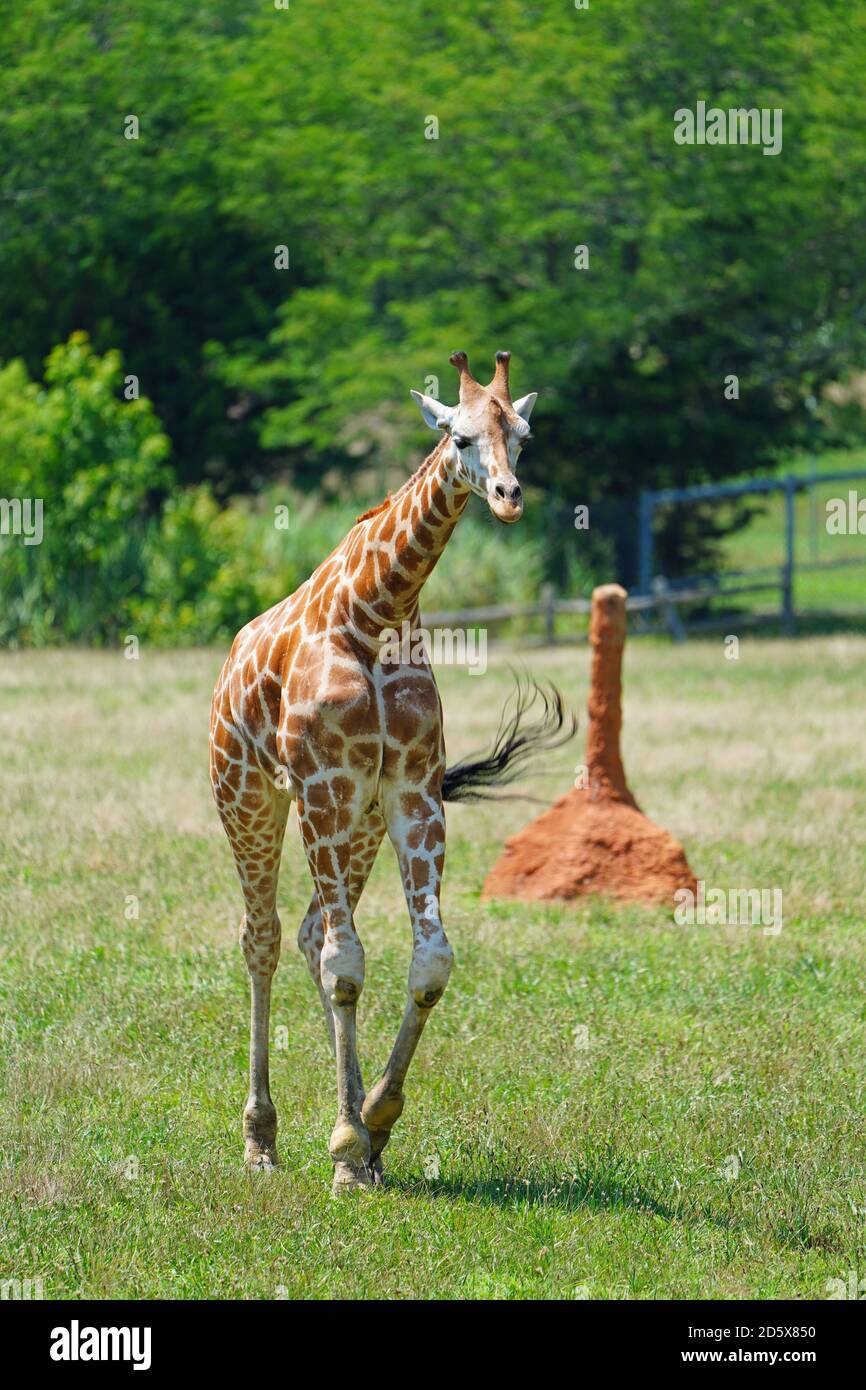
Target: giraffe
[[305, 710]]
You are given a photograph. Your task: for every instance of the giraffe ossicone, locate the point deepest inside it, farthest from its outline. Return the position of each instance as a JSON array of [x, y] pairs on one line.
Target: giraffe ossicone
[[305, 711]]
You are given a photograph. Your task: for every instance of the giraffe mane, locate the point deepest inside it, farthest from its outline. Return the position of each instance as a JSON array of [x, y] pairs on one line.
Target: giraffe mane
[[374, 511], [404, 487]]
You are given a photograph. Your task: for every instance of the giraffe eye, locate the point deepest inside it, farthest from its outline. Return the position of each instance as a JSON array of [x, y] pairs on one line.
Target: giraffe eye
[[461, 441]]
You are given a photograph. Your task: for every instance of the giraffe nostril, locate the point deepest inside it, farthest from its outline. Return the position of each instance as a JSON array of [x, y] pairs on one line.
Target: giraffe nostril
[[507, 492]]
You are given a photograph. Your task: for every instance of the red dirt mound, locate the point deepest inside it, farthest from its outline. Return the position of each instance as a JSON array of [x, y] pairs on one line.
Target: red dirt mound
[[583, 846], [595, 839]]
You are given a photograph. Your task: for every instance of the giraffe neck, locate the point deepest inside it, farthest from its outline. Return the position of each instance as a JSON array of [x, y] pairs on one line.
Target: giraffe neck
[[397, 546]]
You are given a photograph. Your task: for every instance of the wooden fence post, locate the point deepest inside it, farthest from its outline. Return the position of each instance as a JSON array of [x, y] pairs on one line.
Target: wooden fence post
[[547, 603], [672, 619]]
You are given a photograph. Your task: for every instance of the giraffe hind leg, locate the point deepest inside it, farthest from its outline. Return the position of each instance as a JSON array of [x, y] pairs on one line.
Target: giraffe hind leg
[[254, 818], [311, 935]]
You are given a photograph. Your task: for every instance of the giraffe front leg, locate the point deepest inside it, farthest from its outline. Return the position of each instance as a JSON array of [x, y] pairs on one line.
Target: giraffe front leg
[[420, 844], [339, 968], [260, 943], [342, 981]]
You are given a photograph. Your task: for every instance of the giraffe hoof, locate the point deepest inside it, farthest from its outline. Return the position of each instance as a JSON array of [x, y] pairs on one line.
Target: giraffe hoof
[[377, 1171], [260, 1158], [378, 1140], [262, 1164], [349, 1177]]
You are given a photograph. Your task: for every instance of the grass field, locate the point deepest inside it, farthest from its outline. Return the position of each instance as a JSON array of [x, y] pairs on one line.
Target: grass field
[[708, 1141]]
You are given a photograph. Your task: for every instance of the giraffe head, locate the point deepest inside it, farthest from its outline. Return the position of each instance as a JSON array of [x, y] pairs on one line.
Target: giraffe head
[[486, 432]]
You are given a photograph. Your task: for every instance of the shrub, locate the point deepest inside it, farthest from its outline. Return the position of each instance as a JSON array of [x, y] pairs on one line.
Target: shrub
[[95, 461]]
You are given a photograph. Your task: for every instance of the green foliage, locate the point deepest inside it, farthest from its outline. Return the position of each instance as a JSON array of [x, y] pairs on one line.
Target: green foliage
[[119, 553], [306, 128], [207, 569], [704, 261], [198, 579], [92, 459], [124, 237]]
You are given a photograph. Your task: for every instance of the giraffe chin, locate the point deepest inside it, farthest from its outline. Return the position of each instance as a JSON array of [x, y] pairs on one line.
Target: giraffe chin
[[506, 512]]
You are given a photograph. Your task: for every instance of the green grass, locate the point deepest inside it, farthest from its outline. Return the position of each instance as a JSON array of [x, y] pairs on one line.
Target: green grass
[[563, 1171]]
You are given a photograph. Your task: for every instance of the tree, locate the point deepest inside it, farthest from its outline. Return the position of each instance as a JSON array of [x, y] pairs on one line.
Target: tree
[[500, 175], [555, 131]]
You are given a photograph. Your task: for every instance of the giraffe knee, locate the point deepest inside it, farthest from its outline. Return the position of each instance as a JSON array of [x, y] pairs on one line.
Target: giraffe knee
[[431, 968], [311, 938], [260, 943], [342, 968]]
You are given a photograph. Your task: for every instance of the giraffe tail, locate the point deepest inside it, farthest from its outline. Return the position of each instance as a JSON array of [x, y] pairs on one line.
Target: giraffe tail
[[519, 739]]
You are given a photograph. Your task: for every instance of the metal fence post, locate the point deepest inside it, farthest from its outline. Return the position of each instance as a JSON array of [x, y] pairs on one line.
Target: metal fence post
[[645, 542], [789, 621]]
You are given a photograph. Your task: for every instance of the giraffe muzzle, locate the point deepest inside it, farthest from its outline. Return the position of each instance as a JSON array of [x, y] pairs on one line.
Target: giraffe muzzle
[[505, 499]]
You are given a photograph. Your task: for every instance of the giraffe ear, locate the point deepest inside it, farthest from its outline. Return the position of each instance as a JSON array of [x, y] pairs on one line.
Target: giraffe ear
[[524, 406], [436, 415]]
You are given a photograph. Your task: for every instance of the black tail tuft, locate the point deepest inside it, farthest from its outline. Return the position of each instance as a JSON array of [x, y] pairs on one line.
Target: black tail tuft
[[515, 745]]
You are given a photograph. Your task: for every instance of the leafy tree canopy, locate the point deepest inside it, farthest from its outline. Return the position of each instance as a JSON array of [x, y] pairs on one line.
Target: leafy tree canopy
[[307, 128]]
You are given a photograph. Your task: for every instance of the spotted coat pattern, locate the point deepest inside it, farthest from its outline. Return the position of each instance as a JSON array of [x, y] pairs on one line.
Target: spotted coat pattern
[[305, 711]]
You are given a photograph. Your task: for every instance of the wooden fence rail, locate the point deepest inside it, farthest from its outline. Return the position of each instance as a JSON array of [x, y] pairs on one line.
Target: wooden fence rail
[[663, 604]]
